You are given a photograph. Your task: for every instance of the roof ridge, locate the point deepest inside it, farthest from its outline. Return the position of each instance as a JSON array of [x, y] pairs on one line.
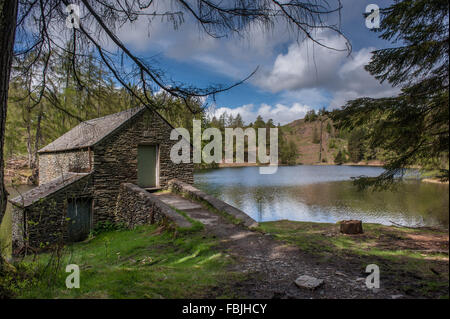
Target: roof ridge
[[90, 132], [33, 195], [114, 114]]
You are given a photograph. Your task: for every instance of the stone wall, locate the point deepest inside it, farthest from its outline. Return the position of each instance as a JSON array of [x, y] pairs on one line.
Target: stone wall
[[44, 222], [53, 165], [196, 194], [17, 227], [115, 160], [135, 206]]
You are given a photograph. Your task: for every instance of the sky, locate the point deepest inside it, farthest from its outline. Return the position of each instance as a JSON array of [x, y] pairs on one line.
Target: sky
[[293, 76]]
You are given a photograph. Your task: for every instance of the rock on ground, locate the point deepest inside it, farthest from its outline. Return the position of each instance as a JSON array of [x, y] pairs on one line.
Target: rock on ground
[[308, 282]]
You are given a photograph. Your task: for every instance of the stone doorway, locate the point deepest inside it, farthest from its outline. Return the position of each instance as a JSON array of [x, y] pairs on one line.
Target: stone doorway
[[79, 210], [148, 163]]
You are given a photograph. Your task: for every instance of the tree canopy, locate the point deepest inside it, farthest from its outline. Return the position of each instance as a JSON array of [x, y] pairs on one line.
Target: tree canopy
[[413, 127], [35, 31]]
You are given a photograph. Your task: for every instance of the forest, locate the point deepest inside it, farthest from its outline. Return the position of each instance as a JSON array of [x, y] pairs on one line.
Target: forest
[[37, 117], [59, 69]]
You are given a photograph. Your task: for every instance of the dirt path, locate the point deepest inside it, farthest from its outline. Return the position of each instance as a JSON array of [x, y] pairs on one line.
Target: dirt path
[[273, 266]]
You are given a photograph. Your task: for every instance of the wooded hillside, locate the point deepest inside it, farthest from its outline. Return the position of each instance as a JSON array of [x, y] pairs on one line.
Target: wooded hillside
[[317, 131]]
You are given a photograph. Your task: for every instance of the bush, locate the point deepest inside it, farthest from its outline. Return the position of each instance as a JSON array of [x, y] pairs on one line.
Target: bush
[[329, 128], [107, 226], [13, 279], [339, 159], [332, 144]]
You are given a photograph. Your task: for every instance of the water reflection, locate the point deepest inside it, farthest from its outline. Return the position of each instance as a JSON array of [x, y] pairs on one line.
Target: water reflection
[[326, 194]]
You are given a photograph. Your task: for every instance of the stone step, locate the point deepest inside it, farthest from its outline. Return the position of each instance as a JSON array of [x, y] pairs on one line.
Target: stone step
[[178, 202]]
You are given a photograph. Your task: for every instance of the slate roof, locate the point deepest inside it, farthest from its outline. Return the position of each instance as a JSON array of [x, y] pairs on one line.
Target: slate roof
[[35, 194], [90, 132]]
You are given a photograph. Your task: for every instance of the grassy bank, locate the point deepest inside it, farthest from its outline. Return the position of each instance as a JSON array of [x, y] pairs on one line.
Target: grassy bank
[[416, 260], [143, 263], [5, 234], [151, 262]]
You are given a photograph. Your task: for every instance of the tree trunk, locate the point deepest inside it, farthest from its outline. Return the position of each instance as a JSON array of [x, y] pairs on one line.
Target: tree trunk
[[8, 18], [35, 165], [28, 124], [351, 227], [37, 138], [29, 115]]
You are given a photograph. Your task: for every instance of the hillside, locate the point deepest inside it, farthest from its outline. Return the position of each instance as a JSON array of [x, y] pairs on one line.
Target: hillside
[[306, 135]]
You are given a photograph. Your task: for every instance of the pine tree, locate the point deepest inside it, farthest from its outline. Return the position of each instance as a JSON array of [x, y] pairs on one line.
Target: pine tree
[[238, 121], [292, 153], [288, 151], [356, 147], [259, 122], [310, 116], [270, 124], [339, 159], [413, 127]]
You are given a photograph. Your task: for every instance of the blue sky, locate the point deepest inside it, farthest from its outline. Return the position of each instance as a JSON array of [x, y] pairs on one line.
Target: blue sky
[[293, 76]]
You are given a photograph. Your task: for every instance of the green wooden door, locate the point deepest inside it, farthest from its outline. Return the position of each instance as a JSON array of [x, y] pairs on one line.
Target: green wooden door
[[79, 212], [147, 162]]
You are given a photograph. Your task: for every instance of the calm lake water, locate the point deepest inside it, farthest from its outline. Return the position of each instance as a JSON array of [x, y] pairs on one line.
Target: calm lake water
[[310, 193], [326, 194]]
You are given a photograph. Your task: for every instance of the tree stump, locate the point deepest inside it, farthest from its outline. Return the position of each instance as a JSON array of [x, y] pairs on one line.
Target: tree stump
[[351, 227]]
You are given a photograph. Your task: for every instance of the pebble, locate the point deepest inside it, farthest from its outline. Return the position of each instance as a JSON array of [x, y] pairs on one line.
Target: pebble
[[308, 282]]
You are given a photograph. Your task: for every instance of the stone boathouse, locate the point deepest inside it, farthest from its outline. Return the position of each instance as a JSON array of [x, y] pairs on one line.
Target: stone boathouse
[[81, 172]]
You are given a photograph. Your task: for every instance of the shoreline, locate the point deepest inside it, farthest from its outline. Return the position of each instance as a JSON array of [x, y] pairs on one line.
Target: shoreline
[[413, 262], [227, 165], [434, 181], [373, 164]]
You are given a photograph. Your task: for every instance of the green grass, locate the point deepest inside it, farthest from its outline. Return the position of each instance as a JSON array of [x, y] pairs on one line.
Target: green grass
[[141, 263], [430, 173], [5, 234], [321, 238], [392, 248], [196, 225]]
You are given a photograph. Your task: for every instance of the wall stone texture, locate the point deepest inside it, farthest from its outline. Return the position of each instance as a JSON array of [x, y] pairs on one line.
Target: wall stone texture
[[135, 206], [115, 161], [190, 191], [18, 228], [53, 165], [111, 162], [44, 223]]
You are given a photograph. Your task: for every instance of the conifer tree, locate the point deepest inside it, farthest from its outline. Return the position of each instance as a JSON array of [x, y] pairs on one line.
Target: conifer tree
[[339, 159], [412, 127]]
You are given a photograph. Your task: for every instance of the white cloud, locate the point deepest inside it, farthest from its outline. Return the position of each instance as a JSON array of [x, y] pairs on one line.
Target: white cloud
[[305, 74], [279, 113], [312, 96], [303, 66], [283, 114], [234, 56], [303, 69]]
